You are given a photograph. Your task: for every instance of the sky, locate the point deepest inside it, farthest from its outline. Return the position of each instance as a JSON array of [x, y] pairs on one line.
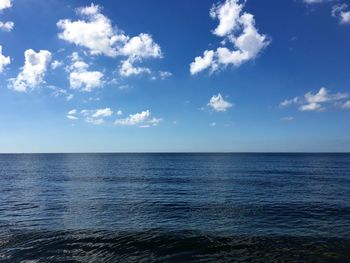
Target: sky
[[174, 76]]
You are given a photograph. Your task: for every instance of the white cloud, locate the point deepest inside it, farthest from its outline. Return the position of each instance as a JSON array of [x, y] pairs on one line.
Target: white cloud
[[119, 112], [85, 80], [72, 117], [127, 68], [165, 74], [89, 10], [201, 63], [313, 106], [346, 105], [228, 15], [339, 11], [239, 30], [95, 117], [82, 79], [286, 103], [142, 119], [5, 4], [4, 61], [60, 92], [96, 33], [56, 64], [218, 103], [94, 121], [313, 1], [316, 101], [69, 97], [72, 112], [33, 71], [7, 26], [136, 49], [141, 46], [102, 113]]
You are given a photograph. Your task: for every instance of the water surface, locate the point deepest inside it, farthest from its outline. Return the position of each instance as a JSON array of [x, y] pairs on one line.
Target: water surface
[[175, 207]]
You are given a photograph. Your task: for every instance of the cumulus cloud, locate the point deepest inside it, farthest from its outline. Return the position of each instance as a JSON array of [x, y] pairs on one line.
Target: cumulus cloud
[[313, 106], [56, 64], [128, 68], [228, 15], [218, 103], [316, 101], [6, 26], [340, 11], [5, 4], [4, 61], [137, 49], [142, 119], [96, 33], [239, 30], [80, 78], [201, 63], [33, 71], [141, 46], [85, 80]]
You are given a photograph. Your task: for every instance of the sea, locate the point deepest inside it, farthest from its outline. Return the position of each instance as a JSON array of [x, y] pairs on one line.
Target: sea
[[175, 207]]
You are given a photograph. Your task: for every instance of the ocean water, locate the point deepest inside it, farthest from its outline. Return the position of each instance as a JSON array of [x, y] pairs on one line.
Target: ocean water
[[175, 208]]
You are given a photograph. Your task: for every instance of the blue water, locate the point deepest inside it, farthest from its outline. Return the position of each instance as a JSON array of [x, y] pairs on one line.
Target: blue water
[[175, 207]]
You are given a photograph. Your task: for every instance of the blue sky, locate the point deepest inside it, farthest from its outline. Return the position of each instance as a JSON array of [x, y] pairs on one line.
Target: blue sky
[[125, 76]]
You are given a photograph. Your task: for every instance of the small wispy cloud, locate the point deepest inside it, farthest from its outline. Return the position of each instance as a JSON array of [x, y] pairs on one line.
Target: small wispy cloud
[[316, 101]]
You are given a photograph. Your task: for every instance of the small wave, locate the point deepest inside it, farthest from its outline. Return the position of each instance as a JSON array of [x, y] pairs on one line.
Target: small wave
[[158, 246]]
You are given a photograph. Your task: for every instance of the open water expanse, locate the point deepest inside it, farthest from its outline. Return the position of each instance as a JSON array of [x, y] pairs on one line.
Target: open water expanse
[[175, 207]]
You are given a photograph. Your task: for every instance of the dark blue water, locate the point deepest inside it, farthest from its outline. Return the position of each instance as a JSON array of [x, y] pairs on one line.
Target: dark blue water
[[175, 208]]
